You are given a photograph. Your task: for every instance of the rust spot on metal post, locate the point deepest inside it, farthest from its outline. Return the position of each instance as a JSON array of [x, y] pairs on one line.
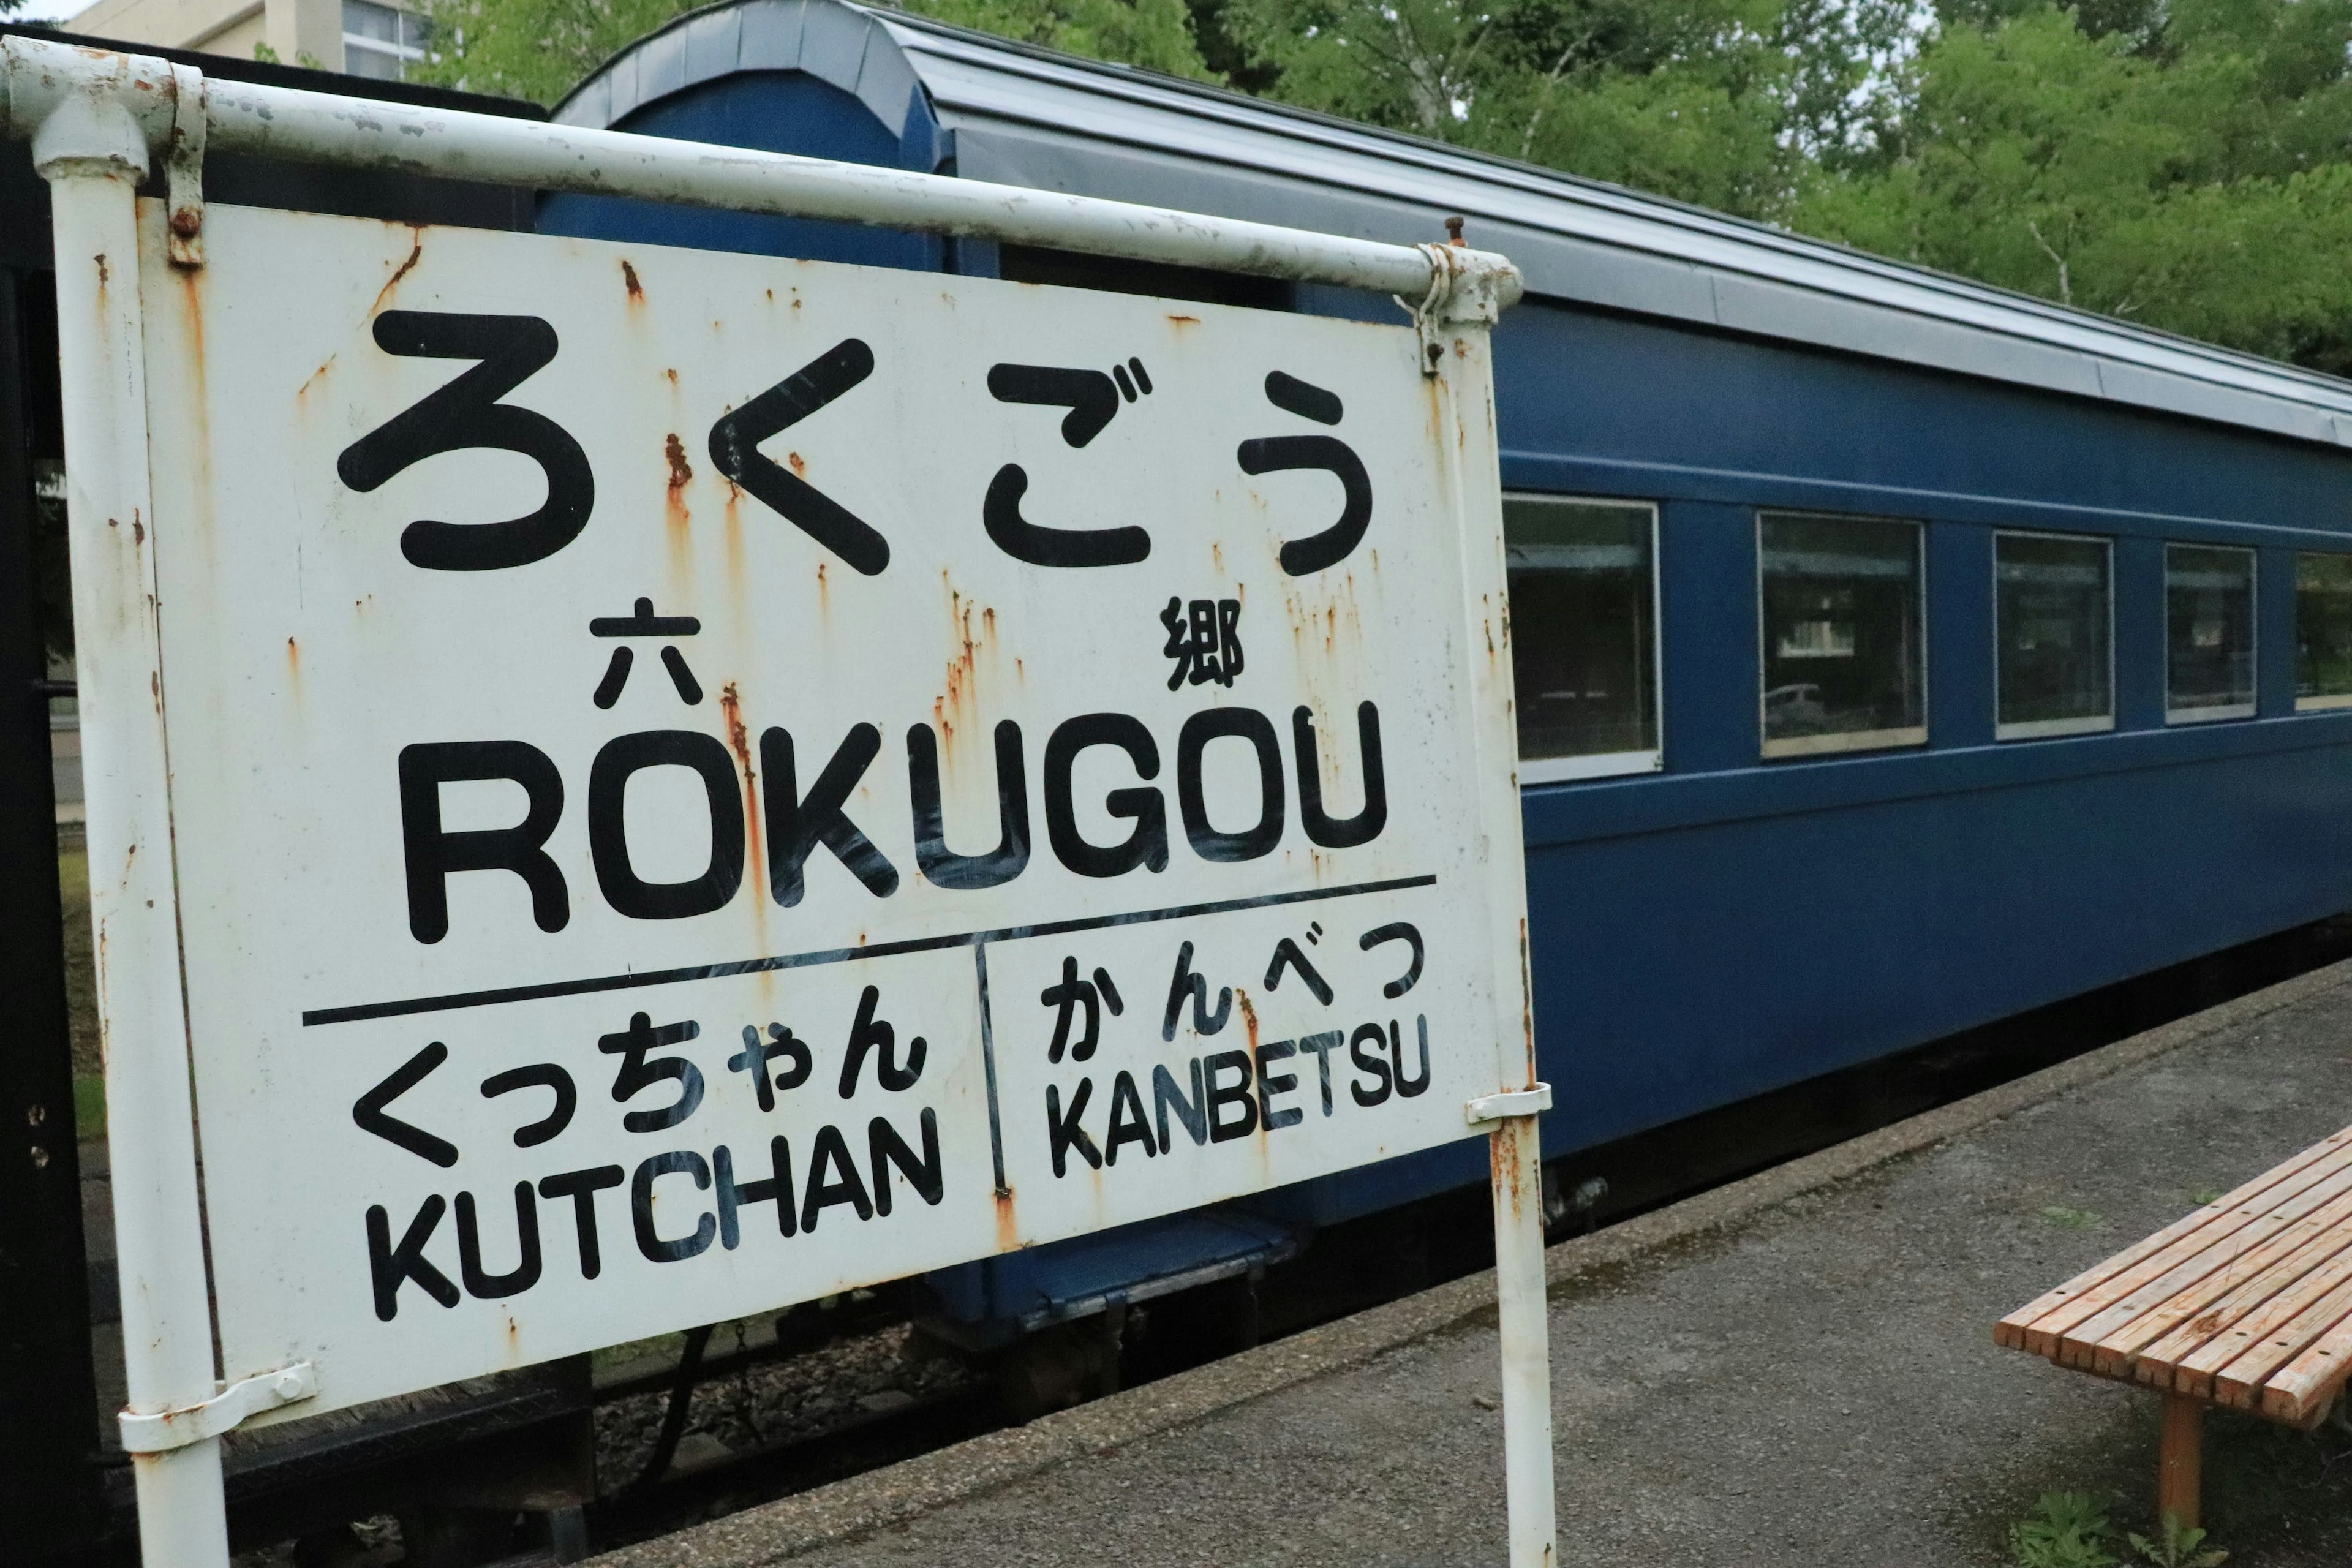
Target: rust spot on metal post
[[1008, 1225], [680, 473], [794, 461], [629, 281]]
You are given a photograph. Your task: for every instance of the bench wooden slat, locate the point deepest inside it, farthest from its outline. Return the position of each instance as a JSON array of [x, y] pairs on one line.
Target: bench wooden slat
[[2253, 1276], [2239, 1382], [2300, 1391], [2194, 1258], [2037, 1326], [2187, 1360]]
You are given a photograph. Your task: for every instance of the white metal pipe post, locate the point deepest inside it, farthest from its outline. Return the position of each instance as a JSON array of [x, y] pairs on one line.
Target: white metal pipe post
[[95, 116], [1525, 1329], [93, 153]]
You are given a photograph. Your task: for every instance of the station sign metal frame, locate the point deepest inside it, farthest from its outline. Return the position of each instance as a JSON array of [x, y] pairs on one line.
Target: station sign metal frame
[[98, 121]]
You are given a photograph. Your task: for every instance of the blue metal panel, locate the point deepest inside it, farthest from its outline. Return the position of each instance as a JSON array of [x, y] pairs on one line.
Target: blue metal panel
[[1709, 416], [1960, 660], [775, 111], [1134, 1262], [2275, 637], [1708, 618], [2139, 633], [1681, 971]]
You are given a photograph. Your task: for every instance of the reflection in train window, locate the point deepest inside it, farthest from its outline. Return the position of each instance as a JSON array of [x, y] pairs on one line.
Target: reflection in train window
[[2209, 633], [2323, 631], [2052, 608], [1843, 668], [1584, 642]]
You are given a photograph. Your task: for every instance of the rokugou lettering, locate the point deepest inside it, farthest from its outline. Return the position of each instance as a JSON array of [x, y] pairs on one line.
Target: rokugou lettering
[[801, 826]]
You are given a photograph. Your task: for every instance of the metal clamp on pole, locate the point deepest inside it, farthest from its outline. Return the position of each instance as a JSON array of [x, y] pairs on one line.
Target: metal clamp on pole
[[183, 166], [1467, 288], [1493, 1108], [231, 1407]]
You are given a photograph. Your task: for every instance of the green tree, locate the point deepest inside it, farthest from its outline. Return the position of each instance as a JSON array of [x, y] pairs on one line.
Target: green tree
[[541, 49], [1154, 33], [2190, 174], [537, 49]]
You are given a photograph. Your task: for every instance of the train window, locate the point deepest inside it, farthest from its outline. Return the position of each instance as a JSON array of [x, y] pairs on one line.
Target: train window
[[1584, 634], [2323, 631], [2054, 614], [1843, 665], [2209, 634]]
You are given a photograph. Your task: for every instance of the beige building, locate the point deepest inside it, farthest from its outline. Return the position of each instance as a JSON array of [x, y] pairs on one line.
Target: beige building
[[362, 36]]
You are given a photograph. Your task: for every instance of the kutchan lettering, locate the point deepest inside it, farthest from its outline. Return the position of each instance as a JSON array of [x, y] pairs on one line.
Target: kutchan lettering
[[866, 1165]]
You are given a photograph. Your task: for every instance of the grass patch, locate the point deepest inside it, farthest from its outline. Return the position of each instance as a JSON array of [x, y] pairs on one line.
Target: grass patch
[[2070, 1219], [81, 972], [89, 1107], [2065, 1530]]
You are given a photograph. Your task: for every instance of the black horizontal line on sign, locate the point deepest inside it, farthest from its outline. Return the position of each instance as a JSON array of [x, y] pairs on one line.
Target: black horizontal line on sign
[[551, 988]]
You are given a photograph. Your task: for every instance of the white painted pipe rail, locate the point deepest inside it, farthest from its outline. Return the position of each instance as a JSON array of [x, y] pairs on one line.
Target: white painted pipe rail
[[1455, 282]]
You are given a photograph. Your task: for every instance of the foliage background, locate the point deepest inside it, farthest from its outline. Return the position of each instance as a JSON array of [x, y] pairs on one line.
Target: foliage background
[[2185, 164]]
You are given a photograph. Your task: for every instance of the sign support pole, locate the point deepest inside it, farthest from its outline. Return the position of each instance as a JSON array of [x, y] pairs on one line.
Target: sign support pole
[[1525, 1331], [93, 154]]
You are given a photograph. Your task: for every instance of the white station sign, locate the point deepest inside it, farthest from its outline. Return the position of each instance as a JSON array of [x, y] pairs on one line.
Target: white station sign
[[701, 780]]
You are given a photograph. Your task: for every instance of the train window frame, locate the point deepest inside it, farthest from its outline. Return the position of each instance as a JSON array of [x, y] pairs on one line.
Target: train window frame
[[2320, 701], [2219, 713], [2052, 729], [1604, 764], [1901, 737]]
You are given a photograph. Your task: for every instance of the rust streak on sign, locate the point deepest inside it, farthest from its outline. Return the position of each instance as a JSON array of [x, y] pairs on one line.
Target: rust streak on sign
[[416, 254]]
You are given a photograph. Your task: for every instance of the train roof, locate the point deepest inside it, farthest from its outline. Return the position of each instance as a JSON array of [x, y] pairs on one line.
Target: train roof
[[1024, 116]]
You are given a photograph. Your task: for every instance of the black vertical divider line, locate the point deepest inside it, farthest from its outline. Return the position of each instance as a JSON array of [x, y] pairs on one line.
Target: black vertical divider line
[[988, 1062]]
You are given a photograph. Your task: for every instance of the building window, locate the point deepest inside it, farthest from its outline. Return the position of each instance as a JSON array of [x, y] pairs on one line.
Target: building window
[[2209, 634], [1843, 665], [1584, 634], [2323, 631], [2053, 609], [381, 41]]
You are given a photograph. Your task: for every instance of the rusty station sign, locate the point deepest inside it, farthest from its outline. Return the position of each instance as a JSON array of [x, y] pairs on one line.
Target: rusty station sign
[[702, 781]]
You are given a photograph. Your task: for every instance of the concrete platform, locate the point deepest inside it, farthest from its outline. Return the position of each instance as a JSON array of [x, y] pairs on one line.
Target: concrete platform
[[1796, 1370]]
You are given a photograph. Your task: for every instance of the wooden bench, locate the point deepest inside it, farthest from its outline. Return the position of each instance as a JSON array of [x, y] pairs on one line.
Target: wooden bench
[[2247, 1303]]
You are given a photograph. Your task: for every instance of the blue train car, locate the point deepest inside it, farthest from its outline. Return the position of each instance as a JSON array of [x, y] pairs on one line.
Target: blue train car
[[1895, 655]]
